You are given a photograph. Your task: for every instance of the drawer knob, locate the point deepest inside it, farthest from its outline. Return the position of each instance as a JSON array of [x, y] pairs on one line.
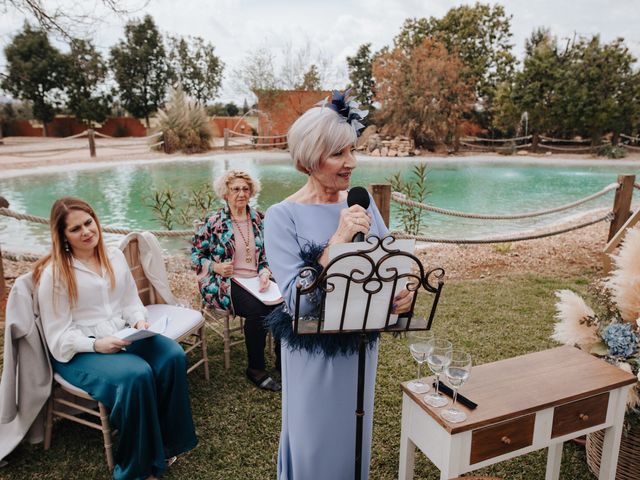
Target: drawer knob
[[584, 417], [506, 440]]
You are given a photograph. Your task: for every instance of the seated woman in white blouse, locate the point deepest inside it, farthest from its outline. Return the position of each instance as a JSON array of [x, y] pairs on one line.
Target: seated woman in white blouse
[[86, 293]]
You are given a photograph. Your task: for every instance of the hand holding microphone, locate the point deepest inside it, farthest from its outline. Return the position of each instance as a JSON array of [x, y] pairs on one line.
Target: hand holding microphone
[[354, 221]]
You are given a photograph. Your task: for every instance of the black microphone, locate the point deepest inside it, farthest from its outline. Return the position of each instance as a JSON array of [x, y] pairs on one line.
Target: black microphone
[[358, 196]]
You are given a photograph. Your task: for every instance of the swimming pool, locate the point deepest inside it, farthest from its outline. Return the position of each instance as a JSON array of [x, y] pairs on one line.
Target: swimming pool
[[470, 184]]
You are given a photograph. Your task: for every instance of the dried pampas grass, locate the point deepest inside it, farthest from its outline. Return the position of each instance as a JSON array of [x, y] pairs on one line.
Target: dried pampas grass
[[633, 398], [571, 329], [624, 282]]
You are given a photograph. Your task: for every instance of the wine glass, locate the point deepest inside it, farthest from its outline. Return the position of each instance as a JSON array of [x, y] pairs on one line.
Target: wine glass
[[419, 347], [438, 359], [457, 373]]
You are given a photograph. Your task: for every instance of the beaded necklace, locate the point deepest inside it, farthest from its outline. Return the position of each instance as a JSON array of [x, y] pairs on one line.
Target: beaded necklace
[[248, 254]]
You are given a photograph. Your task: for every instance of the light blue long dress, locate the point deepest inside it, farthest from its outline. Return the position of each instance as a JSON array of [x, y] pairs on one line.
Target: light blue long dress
[[317, 441]]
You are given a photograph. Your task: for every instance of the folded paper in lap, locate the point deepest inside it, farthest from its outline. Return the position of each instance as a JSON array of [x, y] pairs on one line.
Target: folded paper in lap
[[132, 334], [271, 296]]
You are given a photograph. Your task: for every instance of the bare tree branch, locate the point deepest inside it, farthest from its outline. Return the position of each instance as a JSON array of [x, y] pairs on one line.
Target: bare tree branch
[[69, 18]]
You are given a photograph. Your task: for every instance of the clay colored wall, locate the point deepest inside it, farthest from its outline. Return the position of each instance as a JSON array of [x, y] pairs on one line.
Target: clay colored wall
[[67, 126], [283, 107], [218, 124]]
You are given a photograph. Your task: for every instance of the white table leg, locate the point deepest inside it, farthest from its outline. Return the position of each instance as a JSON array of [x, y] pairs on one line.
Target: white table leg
[[407, 447], [407, 458], [612, 435], [554, 459]]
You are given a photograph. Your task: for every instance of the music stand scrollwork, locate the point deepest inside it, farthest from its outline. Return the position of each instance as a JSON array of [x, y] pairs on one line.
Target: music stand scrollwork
[[360, 284]]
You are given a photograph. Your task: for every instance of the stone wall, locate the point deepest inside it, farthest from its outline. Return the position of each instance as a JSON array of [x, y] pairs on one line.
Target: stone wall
[[378, 145]]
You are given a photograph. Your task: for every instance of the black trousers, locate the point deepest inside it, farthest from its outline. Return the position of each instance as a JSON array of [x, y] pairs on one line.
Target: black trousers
[[255, 333]]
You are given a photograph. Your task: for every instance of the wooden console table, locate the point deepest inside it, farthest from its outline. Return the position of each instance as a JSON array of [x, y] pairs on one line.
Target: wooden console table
[[525, 403]]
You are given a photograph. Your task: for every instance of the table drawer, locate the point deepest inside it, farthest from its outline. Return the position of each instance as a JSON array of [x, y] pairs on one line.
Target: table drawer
[[505, 437], [575, 416]]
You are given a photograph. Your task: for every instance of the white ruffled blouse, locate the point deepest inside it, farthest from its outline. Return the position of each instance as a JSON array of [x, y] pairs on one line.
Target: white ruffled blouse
[[99, 312]]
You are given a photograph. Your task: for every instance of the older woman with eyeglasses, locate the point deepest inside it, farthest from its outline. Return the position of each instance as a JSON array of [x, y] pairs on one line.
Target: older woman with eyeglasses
[[230, 245]]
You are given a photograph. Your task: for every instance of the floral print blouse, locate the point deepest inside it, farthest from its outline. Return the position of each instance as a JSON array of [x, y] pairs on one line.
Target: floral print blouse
[[215, 243]]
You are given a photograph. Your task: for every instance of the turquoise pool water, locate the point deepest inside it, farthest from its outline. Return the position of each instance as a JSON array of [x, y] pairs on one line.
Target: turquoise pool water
[[470, 184]]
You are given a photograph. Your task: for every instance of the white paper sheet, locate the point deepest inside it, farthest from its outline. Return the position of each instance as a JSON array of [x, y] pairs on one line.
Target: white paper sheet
[[271, 296], [357, 296], [132, 334]]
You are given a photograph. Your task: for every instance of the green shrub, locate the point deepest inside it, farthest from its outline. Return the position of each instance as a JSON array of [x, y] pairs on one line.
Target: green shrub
[[612, 151], [414, 189]]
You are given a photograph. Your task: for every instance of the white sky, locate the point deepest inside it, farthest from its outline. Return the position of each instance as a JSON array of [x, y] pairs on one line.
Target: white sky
[[336, 28]]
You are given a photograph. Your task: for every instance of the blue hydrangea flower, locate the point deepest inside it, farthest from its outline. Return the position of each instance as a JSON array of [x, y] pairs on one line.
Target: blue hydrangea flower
[[621, 339]]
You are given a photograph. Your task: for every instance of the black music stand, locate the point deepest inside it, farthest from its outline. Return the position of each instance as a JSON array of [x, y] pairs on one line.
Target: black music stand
[[373, 275]]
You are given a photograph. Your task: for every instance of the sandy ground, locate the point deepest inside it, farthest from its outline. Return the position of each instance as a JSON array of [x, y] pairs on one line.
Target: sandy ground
[[574, 253]]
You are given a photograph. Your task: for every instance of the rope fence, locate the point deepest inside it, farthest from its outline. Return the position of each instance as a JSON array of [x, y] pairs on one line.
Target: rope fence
[[511, 239], [255, 140], [401, 199], [563, 140], [40, 150], [121, 231], [496, 140]]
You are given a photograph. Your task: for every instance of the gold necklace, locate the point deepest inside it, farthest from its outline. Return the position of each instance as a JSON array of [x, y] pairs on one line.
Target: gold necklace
[[248, 255]]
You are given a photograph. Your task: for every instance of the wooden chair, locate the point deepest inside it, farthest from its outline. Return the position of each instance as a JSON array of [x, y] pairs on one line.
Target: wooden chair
[[68, 401], [221, 322], [186, 326]]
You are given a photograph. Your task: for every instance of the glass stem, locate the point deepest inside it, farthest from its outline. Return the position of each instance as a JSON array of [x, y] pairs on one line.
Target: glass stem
[[419, 371], [455, 397], [437, 384]]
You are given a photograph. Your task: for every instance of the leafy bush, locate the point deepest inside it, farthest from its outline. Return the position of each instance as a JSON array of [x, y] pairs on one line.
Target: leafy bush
[[185, 124], [612, 151], [414, 189], [181, 208]]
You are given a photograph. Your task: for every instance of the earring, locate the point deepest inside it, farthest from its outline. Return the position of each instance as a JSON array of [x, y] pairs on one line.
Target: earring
[[66, 246]]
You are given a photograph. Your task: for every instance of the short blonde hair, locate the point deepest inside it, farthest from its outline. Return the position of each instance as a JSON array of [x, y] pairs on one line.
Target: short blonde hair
[[317, 134], [221, 185]]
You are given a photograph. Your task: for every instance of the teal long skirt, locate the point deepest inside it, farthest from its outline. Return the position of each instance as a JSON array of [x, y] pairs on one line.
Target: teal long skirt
[[146, 390]]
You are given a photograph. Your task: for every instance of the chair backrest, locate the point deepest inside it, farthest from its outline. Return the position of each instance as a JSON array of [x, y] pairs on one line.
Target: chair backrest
[[148, 295]]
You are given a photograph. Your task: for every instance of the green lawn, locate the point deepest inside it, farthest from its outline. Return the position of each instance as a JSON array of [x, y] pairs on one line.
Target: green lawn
[[238, 426]]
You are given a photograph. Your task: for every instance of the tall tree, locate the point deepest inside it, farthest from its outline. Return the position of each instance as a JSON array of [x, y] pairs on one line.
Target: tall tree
[[311, 79], [598, 89], [35, 73], [361, 75], [194, 64], [481, 35], [232, 109], [422, 93], [256, 72], [140, 68], [536, 88], [87, 70]]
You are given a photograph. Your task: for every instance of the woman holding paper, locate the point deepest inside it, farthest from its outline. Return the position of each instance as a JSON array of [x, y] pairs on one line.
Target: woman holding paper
[[86, 294], [230, 246], [319, 373]]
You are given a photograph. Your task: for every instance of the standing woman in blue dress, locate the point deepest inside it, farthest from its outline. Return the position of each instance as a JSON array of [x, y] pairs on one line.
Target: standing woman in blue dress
[[86, 293], [319, 373]]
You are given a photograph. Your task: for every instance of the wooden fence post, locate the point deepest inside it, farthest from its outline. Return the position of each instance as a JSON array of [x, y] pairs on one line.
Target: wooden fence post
[[91, 134], [381, 193], [621, 203], [226, 138], [534, 142], [3, 204]]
